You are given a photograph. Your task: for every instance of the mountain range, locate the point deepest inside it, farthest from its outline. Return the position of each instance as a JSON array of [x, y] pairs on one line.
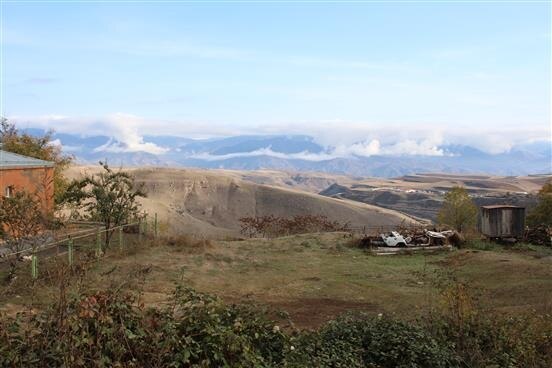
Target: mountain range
[[303, 153]]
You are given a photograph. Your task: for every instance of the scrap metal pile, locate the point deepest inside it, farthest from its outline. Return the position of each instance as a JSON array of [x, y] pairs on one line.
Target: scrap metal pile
[[411, 238], [538, 235]]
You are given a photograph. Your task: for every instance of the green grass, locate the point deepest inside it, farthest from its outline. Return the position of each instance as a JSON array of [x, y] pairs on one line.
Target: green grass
[[313, 276]]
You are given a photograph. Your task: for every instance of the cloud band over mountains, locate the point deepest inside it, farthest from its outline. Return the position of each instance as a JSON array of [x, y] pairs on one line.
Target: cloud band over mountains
[[340, 139]]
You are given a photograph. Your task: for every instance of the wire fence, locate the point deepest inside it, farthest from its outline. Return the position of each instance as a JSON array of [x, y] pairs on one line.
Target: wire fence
[[84, 245]]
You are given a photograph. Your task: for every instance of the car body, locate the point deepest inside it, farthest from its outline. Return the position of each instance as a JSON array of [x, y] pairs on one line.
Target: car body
[[394, 239]]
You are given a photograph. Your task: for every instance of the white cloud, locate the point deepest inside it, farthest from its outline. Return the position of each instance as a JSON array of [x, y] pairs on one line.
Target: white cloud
[[363, 149], [305, 155], [341, 138], [360, 149], [122, 128], [128, 139]]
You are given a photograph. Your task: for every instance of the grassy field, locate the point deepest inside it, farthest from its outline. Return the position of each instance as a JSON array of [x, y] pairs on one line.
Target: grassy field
[[313, 277]]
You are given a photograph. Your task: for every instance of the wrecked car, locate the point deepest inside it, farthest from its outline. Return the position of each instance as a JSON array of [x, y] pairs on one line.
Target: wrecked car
[[394, 239]]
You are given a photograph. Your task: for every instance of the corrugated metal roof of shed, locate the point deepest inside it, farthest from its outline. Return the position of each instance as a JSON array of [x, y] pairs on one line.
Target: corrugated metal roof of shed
[[500, 206], [10, 160]]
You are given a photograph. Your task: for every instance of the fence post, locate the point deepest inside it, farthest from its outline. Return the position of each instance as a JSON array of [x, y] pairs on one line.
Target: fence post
[[121, 237], [146, 225], [140, 229], [155, 225], [70, 253], [98, 243], [34, 266]]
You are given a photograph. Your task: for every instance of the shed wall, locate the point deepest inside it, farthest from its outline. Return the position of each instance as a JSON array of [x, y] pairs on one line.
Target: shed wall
[[503, 222]]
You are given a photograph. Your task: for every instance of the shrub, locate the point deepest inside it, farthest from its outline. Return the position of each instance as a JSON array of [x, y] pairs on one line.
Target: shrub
[[271, 226], [362, 341], [486, 339], [110, 328], [541, 215]]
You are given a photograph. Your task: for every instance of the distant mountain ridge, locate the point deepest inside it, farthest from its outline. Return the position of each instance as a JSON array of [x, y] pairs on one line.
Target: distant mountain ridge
[[303, 153]]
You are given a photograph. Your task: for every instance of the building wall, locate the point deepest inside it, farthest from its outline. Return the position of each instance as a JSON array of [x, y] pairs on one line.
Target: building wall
[[502, 222], [39, 180]]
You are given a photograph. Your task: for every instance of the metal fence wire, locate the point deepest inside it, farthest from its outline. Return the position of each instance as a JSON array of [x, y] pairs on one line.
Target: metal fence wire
[[85, 245]]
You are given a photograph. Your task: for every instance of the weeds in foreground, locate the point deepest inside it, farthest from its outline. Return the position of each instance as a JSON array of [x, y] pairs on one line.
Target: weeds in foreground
[[112, 328]]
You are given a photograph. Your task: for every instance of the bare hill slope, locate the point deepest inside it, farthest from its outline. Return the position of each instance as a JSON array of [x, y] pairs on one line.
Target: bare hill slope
[[422, 195], [211, 202]]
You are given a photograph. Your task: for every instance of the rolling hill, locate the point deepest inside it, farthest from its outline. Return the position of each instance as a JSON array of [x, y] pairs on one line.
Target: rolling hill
[[211, 202]]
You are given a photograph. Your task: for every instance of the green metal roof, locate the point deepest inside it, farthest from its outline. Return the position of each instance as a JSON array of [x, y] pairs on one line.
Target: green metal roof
[[9, 160]]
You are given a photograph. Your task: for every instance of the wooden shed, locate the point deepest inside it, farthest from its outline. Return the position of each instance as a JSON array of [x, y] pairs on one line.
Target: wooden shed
[[502, 221]]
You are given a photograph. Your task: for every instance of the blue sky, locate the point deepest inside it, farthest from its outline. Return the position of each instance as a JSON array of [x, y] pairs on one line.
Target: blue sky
[[434, 72]]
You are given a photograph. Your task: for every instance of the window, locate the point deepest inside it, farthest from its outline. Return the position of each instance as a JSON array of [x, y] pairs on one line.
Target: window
[[9, 191]]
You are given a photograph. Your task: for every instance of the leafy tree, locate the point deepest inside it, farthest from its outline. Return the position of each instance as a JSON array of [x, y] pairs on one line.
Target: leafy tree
[[458, 210], [37, 147], [22, 223], [109, 197], [542, 213]]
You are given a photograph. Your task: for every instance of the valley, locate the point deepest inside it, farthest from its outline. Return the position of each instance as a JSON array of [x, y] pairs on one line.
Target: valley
[[211, 202], [422, 195]]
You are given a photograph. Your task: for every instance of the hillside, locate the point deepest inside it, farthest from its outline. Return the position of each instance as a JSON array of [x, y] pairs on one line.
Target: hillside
[[211, 202], [422, 194]]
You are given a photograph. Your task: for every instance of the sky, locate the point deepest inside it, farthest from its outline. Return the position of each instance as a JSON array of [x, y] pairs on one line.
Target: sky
[[427, 72]]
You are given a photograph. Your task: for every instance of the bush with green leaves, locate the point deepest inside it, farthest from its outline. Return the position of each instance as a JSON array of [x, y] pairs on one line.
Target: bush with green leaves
[[497, 341], [363, 341], [112, 328], [541, 215], [458, 210]]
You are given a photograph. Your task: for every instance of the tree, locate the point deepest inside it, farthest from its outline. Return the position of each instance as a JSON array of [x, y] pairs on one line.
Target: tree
[[109, 197], [22, 223], [542, 213], [42, 148], [458, 210]]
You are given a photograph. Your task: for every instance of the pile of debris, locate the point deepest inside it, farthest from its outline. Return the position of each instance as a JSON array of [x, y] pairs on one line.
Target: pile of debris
[[538, 235], [411, 238]]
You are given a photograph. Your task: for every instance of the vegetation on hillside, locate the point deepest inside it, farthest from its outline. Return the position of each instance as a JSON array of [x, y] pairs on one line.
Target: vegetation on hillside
[[458, 210], [40, 147]]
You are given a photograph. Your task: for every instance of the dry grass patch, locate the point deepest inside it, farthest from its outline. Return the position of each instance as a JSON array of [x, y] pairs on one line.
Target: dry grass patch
[[314, 277]]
